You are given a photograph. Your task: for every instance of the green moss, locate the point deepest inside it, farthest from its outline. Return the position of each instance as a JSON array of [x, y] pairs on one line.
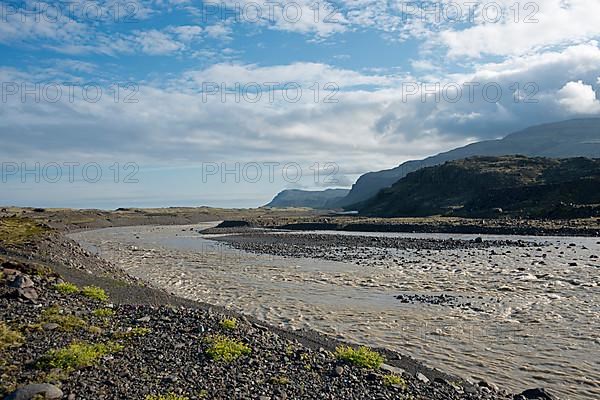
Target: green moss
[[168, 396], [94, 292], [8, 337], [77, 355], [279, 380], [229, 323], [103, 313], [221, 348], [94, 330], [14, 230], [66, 288], [394, 380], [134, 332], [362, 357], [66, 322]]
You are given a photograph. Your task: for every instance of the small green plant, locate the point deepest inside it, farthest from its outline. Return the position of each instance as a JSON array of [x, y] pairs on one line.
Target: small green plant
[[168, 396], [94, 330], [94, 292], [103, 313], [229, 323], [221, 348], [66, 288], [362, 357], [391, 380], [66, 322], [77, 355], [133, 332], [279, 380], [8, 337]]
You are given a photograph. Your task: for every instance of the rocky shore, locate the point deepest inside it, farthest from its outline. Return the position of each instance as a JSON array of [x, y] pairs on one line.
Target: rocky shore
[[75, 327]]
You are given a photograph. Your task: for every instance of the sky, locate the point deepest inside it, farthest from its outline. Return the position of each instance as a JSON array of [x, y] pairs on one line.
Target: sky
[[116, 103]]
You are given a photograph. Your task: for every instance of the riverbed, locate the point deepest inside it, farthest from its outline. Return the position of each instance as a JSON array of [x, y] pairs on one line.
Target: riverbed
[[516, 316]]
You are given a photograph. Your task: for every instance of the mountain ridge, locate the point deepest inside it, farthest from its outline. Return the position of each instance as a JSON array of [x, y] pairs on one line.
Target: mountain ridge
[[563, 139], [319, 199], [515, 186]]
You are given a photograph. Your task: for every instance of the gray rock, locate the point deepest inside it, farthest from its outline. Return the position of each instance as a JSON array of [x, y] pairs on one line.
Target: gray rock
[[29, 391], [144, 319], [28, 293], [422, 377], [393, 370], [339, 370], [489, 385], [535, 394], [21, 282], [50, 326]]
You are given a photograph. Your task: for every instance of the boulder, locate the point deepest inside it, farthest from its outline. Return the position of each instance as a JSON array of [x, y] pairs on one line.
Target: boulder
[[535, 394], [28, 293], [30, 391], [21, 282]]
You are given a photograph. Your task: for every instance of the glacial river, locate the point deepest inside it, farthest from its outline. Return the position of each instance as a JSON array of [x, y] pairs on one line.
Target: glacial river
[[533, 314]]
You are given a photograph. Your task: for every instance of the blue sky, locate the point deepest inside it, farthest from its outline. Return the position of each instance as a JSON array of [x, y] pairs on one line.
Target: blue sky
[[362, 73]]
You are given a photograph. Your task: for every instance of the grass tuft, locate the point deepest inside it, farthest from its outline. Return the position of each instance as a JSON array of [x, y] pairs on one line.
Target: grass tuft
[[168, 396], [229, 324], [14, 230], [134, 332], [103, 313], [362, 357], [94, 292], [66, 288], [8, 337], [279, 380], [66, 322], [221, 348], [77, 355], [394, 380]]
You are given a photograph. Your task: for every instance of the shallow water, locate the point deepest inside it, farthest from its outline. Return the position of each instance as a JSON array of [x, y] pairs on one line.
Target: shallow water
[[533, 319]]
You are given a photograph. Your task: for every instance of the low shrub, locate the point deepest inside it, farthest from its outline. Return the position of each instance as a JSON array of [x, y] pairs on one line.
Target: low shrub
[[94, 292], [8, 337], [77, 355], [103, 313], [66, 288], [229, 323], [394, 380], [221, 348], [362, 357]]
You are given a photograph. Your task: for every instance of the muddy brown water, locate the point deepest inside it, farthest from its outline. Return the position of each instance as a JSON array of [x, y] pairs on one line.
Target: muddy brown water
[[533, 314]]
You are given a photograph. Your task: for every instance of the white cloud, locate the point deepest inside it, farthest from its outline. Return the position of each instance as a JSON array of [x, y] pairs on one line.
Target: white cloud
[[187, 33], [579, 98], [558, 23], [219, 30], [154, 42]]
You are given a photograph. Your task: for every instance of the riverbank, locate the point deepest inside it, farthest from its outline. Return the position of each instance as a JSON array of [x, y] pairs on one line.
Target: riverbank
[[486, 308], [143, 341], [302, 219]]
